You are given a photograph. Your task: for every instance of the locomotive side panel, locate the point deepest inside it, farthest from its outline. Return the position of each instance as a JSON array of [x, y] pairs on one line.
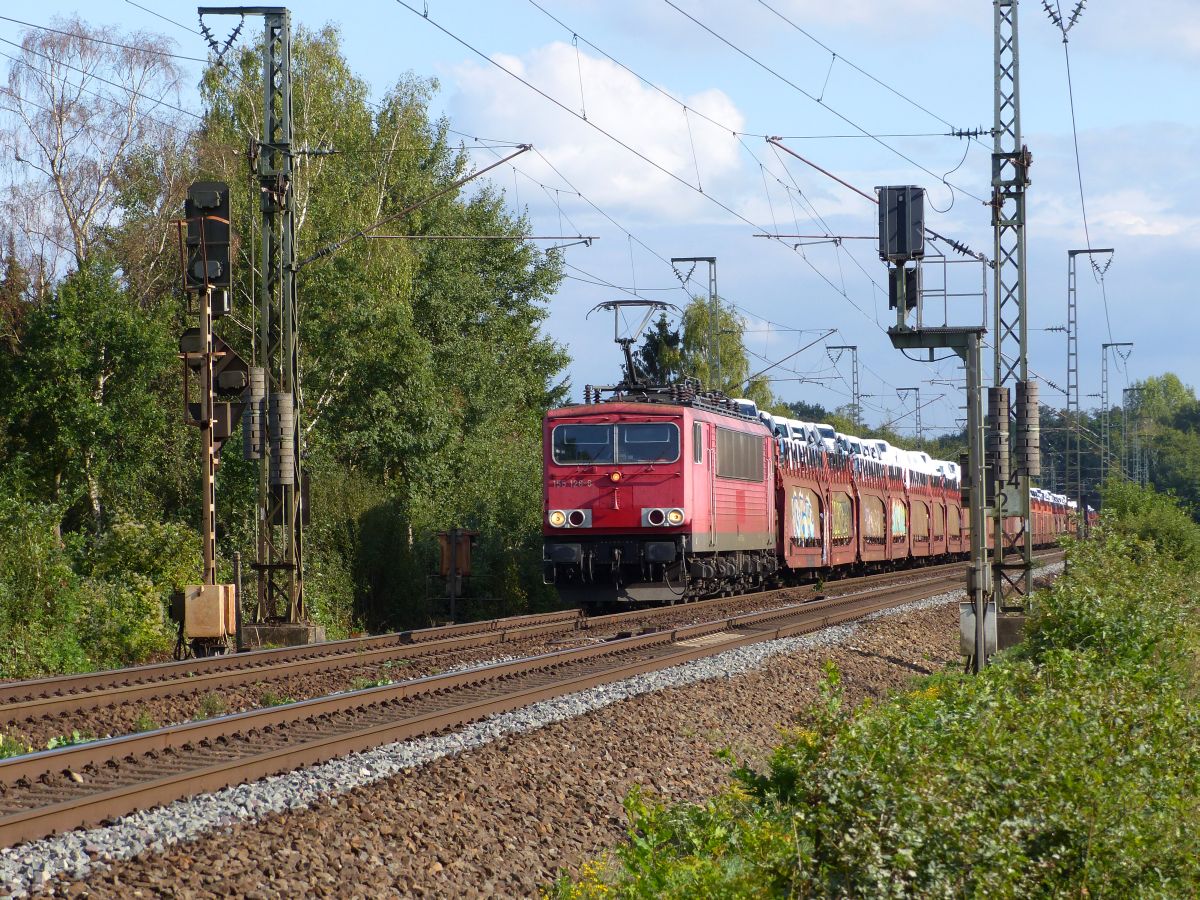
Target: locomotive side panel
[[743, 509]]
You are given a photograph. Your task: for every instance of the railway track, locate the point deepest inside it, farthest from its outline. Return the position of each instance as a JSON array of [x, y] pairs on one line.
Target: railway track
[[62, 698], [61, 789]]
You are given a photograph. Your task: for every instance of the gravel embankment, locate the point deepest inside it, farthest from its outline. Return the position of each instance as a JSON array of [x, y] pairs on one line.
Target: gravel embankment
[[540, 789]]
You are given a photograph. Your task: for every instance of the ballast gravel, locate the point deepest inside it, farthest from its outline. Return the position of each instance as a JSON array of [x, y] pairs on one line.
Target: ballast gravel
[[541, 792]]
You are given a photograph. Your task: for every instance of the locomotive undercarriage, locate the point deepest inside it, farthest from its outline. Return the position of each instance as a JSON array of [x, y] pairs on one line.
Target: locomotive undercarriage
[[659, 572]]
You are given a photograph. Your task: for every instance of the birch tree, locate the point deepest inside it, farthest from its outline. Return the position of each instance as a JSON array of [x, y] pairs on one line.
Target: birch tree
[[80, 101]]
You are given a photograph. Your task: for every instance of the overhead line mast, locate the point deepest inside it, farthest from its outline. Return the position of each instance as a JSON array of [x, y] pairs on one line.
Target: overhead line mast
[[1073, 476], [280, 438], [1013, 561]]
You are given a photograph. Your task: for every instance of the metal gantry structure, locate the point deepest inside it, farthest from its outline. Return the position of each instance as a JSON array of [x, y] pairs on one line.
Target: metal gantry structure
[[1013, 561], [1131, 445], [280, 447], [855, 393], [900, 392]]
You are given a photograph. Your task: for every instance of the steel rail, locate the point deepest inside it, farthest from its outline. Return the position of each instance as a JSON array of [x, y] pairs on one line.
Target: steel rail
[[32, 700], [72, 786], [13, 691], [62, 685]]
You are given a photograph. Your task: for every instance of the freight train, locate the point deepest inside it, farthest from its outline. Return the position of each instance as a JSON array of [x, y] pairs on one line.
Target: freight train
[[664, 495]]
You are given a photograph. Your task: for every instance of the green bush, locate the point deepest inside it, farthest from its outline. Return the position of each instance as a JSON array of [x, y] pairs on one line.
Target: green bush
[[1150, 516], [211, 705], [74, 608], [1119, 597], [1067, 768]]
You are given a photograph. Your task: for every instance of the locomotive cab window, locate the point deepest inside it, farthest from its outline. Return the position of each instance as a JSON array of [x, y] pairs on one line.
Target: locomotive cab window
[[582, 444], [649, 442], [697, 442]]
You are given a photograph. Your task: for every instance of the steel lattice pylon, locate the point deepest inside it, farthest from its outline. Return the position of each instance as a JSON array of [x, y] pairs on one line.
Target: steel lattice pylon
[[1074, 473], [279, 516], [714, 313], [1010, 175], [281, 542], [855, 394], [1074, 482], [1105, 412]]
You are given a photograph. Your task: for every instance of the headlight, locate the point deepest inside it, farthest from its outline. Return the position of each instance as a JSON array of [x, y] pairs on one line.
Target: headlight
[[557, 518], [675, 517]]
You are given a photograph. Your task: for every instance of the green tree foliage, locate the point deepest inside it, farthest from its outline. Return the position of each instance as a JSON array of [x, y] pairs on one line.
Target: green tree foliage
[[425, 373], [14, 288], [84, 422], [1162, 420], [83, 604], [660, 356], [1161, 397], [669, 355], [806, 412]]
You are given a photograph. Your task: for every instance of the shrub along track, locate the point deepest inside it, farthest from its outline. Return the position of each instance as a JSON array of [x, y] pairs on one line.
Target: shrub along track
[[61, 789], [139, 698]]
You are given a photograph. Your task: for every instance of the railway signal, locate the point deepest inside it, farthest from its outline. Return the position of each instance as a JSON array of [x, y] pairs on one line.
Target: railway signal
[[213, 374], [898, 247]]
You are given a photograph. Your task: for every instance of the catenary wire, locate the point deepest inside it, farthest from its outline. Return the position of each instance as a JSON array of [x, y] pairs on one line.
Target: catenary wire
[[796, 87]]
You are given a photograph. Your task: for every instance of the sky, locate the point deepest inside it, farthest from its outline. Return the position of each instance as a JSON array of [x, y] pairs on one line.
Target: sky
[[656, 146]]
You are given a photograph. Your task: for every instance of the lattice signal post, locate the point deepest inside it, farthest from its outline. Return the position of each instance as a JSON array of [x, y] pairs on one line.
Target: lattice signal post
[[276, 438], [219, 374], [1013, 561]]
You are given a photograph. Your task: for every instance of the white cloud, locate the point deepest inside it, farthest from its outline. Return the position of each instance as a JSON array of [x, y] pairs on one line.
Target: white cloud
[[1162, 28], [1137, 179], [686, 146], [1132, 212]]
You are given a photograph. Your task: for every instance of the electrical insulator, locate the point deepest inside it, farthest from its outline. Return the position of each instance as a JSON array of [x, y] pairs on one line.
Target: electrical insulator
[[997, 449]]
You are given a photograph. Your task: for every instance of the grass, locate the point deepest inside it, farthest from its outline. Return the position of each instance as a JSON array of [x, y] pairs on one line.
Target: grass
[[270, 698], [144, 722], [70, 740], [1067, 768], [362, 683], [13, 745], [211, 706]]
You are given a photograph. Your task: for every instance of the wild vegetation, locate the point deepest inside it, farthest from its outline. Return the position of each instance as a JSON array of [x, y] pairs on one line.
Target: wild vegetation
[[1067, 768]]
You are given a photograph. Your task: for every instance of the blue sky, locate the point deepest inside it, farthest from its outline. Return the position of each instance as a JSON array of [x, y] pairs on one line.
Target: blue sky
[[1135, 67]]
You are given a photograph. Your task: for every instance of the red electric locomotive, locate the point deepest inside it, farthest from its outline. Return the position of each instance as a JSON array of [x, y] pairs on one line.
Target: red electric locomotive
[[657, 501]]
